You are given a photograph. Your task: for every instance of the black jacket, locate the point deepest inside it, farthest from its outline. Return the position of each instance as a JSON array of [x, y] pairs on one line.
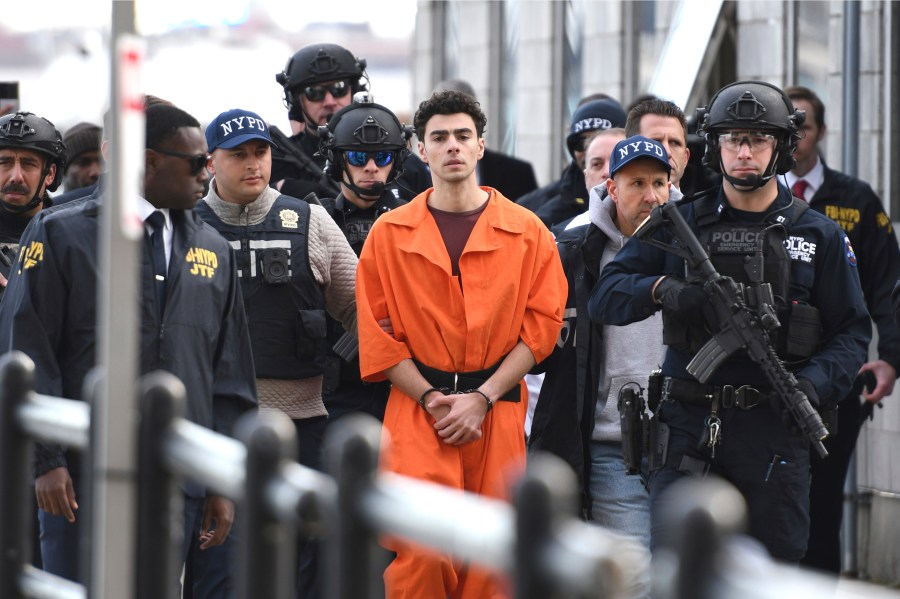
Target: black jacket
[[564, 417], [853, 205], [561, 200], [508, 175], [51, 315]]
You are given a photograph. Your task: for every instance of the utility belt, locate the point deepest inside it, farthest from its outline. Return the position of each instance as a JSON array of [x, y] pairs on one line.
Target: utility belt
[[744, 397], [457, 382]]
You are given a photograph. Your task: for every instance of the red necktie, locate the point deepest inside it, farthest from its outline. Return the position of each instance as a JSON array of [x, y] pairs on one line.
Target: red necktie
[[799, 188]]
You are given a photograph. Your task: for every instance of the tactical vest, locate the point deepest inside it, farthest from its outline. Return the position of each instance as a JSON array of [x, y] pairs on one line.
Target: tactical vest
[[285, 305], [754, 254], [356, 222]]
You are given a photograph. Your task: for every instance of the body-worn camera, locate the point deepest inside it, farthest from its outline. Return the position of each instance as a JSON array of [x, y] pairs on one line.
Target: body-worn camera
[[276, 266]]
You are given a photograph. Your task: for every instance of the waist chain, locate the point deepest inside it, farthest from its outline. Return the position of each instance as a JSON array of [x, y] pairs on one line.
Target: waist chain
[[464, 381]]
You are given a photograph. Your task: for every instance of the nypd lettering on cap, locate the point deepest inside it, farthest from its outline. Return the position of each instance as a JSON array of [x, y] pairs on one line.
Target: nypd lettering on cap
[[591, 124], [641, 147], [235, 127], [636, 147]]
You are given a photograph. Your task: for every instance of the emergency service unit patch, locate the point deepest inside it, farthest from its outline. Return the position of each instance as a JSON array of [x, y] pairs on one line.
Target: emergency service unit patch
[[289, 218], [800, 249], [203, 262], [851, 255]]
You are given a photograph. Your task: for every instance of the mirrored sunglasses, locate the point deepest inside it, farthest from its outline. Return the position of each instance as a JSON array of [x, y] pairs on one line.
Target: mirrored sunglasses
[[362, 158]]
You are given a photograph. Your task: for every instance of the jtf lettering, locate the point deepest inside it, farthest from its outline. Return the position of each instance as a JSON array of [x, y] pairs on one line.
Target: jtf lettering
[[204, 262]]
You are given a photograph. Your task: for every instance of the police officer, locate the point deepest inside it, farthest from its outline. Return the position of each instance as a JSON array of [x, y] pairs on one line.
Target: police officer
[[317, 81], [732, 425], [294, 264], [192, 325], [365, 146], [854, 206], [32, 161]]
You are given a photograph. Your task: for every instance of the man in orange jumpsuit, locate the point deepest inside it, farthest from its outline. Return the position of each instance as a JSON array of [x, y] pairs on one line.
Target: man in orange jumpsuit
[[475, 292]]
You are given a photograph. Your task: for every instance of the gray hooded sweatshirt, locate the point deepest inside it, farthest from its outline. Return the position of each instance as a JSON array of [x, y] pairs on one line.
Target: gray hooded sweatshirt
[[630, 352]]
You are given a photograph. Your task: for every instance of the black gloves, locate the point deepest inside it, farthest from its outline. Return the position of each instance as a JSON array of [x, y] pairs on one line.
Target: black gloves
[[809, 390], [681, 299]]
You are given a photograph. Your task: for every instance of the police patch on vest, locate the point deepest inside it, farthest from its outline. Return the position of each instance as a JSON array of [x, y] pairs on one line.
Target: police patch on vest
[[204, 262], [800, 249], [736, 240], [851, 255], [289, 218]]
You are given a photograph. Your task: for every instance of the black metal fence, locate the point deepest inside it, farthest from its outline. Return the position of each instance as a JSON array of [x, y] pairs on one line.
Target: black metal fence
[[537, 541]]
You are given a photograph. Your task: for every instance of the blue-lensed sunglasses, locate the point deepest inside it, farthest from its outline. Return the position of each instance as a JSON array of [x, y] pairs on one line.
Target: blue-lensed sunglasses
[[362, 158]]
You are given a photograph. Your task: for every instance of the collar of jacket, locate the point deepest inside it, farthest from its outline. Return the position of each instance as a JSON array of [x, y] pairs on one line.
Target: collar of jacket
[[509, 218], [782, 204]]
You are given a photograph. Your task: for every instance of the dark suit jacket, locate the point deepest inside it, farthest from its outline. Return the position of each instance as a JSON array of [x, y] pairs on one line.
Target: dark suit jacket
[[510, 176]]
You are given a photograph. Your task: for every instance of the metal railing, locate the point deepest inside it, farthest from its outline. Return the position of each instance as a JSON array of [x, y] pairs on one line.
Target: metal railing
[[536, 541]]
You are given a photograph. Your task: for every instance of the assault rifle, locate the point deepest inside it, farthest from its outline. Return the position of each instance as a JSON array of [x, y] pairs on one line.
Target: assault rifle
[[302, 161], [739, 326]]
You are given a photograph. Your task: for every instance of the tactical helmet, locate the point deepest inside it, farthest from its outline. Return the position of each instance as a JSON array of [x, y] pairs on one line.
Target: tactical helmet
[[317, 63], [32, 132], [363, 126], [754, 105]]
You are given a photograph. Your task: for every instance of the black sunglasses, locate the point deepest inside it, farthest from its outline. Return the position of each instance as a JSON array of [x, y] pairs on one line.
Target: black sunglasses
[[316, 93], [196, 161]]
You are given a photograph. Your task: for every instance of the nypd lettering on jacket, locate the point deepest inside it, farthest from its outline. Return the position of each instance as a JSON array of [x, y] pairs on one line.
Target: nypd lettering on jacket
[[627, 150], [240, 123]]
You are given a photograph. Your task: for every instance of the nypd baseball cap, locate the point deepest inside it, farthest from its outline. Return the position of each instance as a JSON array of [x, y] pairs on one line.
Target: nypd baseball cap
[[234, 127], [636, 147]]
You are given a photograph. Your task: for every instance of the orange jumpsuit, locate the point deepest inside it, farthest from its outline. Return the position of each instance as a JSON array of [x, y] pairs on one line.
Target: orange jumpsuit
[[513, 289]]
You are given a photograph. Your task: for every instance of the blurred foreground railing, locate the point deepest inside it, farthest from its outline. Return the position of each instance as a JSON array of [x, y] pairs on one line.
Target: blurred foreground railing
[[536, 541]]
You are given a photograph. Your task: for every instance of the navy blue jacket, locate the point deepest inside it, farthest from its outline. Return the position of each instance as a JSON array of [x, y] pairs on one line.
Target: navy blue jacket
[[823, 273], [564, 417], [202, 338], [853, 205]]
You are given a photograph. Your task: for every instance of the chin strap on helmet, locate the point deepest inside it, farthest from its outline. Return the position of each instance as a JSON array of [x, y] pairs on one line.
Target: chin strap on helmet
[[751, 182], [370, 194]]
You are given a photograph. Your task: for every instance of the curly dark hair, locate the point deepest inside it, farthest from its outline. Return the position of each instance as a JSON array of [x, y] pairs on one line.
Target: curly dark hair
[[449, 102]]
